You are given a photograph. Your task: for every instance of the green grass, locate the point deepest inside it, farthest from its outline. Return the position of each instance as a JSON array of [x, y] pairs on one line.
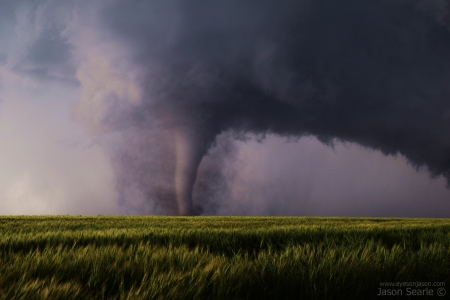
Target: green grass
[[217, 257]]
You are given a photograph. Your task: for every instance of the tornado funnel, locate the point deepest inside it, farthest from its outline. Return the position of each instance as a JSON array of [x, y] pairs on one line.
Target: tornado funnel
[[189, 151]]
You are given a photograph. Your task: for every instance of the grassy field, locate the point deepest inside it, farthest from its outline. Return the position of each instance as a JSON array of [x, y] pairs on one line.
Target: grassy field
[[218, 257]]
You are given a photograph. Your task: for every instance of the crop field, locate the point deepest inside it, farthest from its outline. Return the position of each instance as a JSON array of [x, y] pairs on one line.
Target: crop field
[[65, 257]]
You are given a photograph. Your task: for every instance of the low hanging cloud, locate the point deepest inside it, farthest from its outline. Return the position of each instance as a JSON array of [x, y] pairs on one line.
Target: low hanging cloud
[[177, 84]]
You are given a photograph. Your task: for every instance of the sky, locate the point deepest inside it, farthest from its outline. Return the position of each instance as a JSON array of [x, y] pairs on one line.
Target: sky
[[225, 108]]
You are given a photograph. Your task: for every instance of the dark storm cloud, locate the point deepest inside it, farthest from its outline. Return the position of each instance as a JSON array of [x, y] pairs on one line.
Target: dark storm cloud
[[372, 72], [171, 76]]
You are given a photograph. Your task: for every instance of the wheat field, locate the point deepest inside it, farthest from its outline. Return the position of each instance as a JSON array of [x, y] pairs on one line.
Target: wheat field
[[117, 257]]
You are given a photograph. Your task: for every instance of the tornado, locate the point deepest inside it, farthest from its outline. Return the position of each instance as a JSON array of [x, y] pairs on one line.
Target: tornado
[[188, 150], [188, 155]]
